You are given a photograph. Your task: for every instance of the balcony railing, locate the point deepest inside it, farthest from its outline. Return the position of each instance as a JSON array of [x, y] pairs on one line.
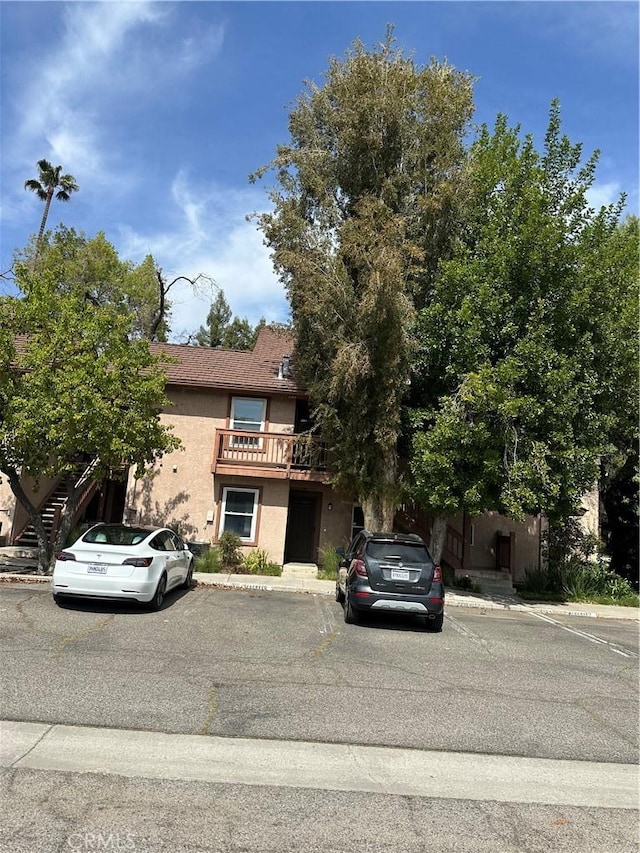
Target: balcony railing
[[269, 454]]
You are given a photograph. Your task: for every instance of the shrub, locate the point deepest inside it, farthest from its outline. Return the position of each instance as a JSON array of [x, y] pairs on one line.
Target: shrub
[[576, 572], [543, 581], [257, 562], [583, 581], [210, 561], [229, 545], [329, 563], [466, 583]]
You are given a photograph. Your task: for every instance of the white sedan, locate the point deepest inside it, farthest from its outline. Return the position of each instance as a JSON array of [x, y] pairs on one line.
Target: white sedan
[[117, 561]]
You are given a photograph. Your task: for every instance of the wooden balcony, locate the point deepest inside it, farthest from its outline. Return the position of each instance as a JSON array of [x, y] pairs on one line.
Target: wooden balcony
[[269, 454]]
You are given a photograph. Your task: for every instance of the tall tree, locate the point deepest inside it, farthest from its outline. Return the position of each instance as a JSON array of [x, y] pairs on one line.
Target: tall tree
[[50, 182], [222, 331], [218, 319], [366, 195], [617, 352], [81, 386], [518, 367]]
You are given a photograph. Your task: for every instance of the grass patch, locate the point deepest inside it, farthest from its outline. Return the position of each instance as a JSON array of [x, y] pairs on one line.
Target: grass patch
[[625, 601]]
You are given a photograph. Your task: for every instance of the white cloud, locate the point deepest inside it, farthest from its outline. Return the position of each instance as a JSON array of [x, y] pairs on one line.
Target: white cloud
[[104, 51], [209, 234], [600, 195]]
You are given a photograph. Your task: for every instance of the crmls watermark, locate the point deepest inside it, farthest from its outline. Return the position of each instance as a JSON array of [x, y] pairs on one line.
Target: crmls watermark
[[100, 841]]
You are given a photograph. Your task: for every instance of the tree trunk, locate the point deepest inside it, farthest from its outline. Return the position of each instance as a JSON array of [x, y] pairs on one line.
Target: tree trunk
[[43, 223], [44, 547], [438, 533], [371, 512], [379, 513], [380, 509]]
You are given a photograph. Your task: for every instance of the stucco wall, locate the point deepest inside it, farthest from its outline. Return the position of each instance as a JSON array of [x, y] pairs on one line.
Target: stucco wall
[[7, 507], [180, 493], [590, 520], [482, 554], [183, 492]]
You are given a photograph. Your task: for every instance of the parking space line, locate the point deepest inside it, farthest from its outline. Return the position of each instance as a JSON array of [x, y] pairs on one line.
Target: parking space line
[[583, 634]]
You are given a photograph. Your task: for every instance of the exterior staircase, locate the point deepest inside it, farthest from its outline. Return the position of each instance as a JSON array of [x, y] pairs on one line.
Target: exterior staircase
[[491, 583], [52, 506], [49, 512]]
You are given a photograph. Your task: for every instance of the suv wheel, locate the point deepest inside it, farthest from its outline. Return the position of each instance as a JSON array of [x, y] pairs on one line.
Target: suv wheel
[[434, 624], [350, 614]]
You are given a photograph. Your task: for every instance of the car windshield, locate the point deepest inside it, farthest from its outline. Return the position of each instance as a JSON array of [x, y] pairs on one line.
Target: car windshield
[[400, 550], [116, 534]]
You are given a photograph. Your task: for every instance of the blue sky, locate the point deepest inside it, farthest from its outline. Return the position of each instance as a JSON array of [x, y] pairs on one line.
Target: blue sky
[[162, 109]]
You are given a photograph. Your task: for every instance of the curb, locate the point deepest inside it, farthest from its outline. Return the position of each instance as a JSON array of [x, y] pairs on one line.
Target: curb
[[312, 587]]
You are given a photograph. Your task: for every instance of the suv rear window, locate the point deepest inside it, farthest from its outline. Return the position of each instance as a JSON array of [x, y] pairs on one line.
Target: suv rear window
[[407, 552], [116, 535]]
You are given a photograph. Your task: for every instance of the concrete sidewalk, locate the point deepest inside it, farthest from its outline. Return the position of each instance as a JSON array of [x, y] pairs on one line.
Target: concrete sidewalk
[[323, 766], [454, 598]]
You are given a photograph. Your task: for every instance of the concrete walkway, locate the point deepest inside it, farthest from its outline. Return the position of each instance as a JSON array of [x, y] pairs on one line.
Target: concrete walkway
[[454, 598]]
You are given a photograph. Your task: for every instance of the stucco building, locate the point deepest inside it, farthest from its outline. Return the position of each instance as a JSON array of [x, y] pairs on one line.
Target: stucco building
[[251, 462]]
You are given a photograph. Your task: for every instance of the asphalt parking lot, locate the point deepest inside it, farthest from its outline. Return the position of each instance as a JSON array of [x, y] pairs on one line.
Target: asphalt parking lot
[[283, 665]]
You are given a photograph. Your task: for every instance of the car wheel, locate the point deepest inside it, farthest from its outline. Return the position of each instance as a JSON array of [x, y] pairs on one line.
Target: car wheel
[[339, 595], [58, 599], [435, 624], [350, 614], [158, 597], [186, 583]]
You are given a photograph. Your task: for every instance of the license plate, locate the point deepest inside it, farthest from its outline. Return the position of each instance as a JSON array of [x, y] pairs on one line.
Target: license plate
[[97, 569], [400, 575]]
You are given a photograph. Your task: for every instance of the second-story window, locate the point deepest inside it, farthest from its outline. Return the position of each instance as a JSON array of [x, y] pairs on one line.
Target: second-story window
[[247, 415]]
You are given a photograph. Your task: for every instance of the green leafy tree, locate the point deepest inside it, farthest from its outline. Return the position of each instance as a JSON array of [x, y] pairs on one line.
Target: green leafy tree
[[49, 183], [518, 364], [77, 262], [222, 331], [80, 387], [616, 350], [363, 208]]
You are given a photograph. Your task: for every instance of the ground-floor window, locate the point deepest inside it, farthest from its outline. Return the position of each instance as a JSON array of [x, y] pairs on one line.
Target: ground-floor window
[[357, 521], [240, 512]]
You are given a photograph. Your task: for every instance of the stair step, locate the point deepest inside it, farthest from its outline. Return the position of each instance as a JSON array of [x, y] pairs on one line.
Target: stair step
[[300, 570]]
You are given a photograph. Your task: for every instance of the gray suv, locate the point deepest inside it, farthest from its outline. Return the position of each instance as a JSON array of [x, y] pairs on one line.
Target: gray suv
[[383, 572]]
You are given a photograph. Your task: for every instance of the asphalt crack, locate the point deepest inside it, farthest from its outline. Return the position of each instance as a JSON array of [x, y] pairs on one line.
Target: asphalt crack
[[65, 641]]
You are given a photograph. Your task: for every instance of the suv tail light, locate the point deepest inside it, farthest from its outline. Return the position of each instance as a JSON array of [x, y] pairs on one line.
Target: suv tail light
[[437, 574], [360, 568], [138, 561], [65, 555]]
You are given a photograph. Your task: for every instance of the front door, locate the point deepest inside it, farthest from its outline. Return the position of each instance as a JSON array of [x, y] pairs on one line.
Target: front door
[[302, 528]]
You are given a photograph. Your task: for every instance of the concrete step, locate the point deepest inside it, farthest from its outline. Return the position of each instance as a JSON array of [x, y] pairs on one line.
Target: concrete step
[[299, 570], [490, 582]]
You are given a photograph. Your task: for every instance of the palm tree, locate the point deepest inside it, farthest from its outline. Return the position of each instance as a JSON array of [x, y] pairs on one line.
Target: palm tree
[[48, 181]]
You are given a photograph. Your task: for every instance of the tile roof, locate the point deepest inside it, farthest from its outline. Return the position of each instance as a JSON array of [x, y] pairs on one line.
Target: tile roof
[[256, 370]]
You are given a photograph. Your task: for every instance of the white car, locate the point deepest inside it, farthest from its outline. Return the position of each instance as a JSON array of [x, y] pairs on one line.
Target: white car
[[117, 561]]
